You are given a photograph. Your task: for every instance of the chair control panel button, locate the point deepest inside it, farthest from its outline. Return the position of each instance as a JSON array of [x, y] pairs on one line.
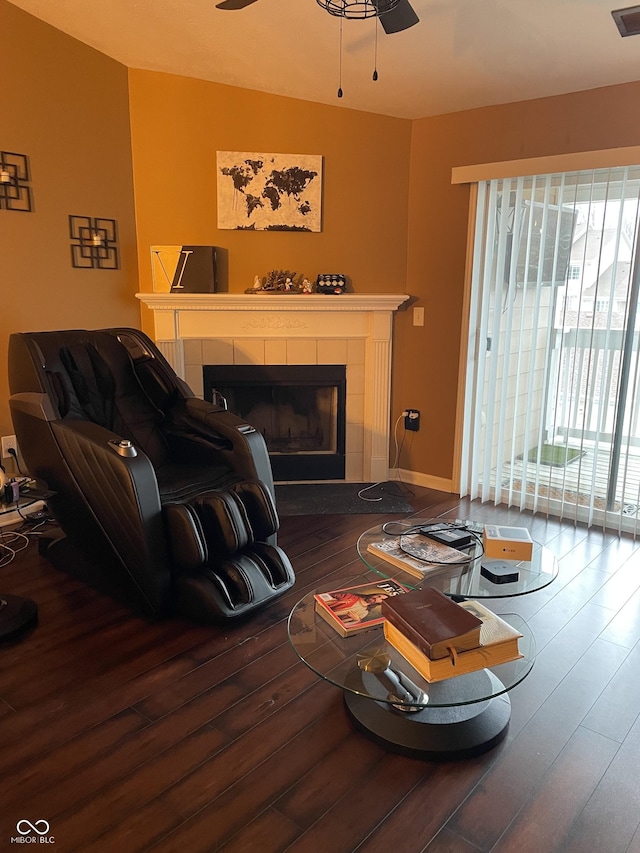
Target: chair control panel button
[[124, 447]]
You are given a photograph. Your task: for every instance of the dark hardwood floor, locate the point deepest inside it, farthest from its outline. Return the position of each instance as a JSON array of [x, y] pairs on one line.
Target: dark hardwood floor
[[129, 736]]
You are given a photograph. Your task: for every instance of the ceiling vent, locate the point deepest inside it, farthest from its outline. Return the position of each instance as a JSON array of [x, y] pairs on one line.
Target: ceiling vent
[[628, 20]]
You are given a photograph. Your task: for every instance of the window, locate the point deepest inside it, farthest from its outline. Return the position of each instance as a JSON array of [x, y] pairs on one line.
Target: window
[[575, 272], [552, 407]]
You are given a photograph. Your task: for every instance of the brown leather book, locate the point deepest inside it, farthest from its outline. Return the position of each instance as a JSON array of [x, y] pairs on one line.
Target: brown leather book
[[433, 622], [461, 664]]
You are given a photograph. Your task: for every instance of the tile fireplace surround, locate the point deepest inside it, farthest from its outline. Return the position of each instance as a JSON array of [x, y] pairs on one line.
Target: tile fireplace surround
[[194, 329]]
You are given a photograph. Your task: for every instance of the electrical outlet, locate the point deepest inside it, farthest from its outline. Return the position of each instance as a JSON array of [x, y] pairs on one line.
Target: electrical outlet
[[9, 442], [412, 420]]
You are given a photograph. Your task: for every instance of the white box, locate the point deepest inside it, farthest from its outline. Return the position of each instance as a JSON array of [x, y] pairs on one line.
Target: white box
[[511, 543]]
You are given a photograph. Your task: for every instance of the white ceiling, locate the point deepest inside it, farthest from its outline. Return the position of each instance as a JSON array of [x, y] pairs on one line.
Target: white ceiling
[[462, 54]]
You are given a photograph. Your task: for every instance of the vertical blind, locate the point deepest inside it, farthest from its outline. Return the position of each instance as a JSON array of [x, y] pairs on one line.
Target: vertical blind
[[552, 402]]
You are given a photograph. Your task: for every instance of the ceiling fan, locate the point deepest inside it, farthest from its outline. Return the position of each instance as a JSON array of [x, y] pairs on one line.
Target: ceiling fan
[[399, 18]]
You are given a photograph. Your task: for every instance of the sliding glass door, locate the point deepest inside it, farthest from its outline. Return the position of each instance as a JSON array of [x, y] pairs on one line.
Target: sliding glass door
[[552, 410]]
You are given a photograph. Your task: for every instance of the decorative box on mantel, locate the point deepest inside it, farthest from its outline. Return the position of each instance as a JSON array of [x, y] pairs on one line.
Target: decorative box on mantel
[[193, 330]]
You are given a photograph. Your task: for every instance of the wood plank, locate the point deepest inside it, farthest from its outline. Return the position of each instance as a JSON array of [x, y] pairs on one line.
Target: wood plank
[[285, 770], [149, 811], [419, 816], [270, 832], [545, 821], [356, 814], [524, 761], [611, 817], [136, 736]]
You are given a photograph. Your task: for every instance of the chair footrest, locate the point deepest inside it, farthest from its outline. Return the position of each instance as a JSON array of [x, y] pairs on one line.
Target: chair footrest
[[232, 588], [220, 523], [226, 568]]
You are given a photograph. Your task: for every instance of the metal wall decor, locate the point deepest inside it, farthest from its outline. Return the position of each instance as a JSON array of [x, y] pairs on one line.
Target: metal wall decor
[[15, 192], [94, 243]]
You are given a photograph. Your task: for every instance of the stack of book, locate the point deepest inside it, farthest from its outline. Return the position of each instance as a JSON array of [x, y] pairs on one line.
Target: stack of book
[[418, 555], [442, 638]]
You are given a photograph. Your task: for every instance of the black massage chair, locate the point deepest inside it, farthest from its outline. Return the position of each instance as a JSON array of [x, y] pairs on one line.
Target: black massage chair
[[164, 501]]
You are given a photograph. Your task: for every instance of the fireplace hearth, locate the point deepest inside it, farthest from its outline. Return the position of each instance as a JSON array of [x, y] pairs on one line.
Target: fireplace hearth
[[299, 409]]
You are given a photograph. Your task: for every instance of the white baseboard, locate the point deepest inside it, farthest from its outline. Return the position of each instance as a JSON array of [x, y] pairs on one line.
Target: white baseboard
[[415, 478]]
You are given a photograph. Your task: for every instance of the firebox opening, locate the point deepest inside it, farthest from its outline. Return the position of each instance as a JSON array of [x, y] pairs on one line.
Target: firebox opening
[[299, 409]]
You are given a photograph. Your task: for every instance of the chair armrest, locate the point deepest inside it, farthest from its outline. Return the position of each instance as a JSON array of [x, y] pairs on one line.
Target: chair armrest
[[103, 493], [34, 404], [245, 449], [126, 479]]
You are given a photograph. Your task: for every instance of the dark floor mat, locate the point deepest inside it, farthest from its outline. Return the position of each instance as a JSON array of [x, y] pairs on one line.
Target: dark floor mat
[[340, 499]]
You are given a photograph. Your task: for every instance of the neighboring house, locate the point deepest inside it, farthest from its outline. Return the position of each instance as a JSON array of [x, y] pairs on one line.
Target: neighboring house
[[598, 275]]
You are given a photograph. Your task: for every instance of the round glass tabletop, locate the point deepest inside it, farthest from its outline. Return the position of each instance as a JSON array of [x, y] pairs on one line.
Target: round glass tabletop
[[471, 575], [365, 664]]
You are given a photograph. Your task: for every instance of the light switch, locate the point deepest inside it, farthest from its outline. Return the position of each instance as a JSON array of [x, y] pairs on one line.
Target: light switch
[[418, 316]]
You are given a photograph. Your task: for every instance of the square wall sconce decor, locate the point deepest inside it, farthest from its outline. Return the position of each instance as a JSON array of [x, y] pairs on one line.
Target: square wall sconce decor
[[94, 243], [15, 192]]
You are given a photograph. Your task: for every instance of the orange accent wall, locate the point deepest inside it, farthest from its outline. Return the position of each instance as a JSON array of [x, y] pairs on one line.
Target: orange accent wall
[[392, 219], [426, 372], [178, 125], [65, 105]]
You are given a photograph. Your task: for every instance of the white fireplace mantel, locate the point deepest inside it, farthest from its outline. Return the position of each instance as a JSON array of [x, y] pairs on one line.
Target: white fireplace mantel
[[193, 329], [272, 302]]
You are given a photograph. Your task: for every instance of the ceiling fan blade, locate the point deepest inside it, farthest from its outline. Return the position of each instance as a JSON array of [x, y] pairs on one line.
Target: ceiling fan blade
[[399, 19], [234, 4]]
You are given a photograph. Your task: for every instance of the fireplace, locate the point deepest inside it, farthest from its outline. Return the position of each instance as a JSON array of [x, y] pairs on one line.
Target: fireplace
[[353, 330], [299, 409]]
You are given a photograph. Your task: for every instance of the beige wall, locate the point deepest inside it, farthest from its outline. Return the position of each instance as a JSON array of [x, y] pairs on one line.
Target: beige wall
[[66, 106], [426, 364]]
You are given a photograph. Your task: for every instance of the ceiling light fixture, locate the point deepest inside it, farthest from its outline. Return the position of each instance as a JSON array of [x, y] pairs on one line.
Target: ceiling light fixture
[[358, 9], [395, 16]]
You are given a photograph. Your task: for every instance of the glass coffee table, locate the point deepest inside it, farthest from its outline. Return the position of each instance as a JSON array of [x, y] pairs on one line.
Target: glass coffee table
[[466, 578], [385, 697], [388, 700]]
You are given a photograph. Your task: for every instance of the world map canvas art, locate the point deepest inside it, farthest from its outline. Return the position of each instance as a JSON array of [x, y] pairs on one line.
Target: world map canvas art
[[269, 192]]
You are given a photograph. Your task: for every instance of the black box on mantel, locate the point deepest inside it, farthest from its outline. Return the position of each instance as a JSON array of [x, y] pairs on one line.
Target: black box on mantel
[[184, 269]]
